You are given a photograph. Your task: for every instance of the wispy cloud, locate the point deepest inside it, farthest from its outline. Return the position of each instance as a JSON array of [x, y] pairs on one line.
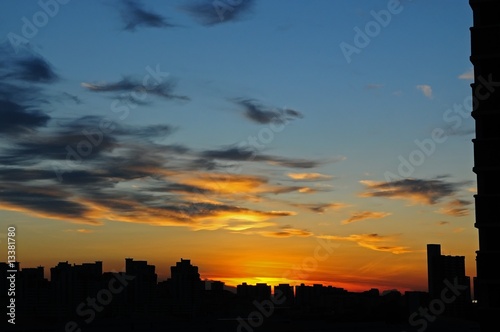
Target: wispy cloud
[[426, 90], [163, 89], [468, 75], [287, 231], [210, 13], [258, 113], [456, 208], [320, 207], [134, 15], [235, 153], [309, 176], [419, 191], [371, 241], [363, 215]]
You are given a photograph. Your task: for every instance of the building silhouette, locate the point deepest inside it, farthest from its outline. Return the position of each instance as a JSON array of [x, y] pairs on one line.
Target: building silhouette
[[141, 290], [485, 57], [71, 284], [446, 270], [186, 287]]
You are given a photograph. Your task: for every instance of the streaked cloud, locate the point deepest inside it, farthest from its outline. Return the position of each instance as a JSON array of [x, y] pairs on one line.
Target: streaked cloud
[[164, 89], [468, 75], [134, 15], [210, 13], [417, 191], [320, 207], [371, 241], [287, 231], [363, 215], [309, 176], [456, 208], [426, 90], [261, 114], [247, 154]]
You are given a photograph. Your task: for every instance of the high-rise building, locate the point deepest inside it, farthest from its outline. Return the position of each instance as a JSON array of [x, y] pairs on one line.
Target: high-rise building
[[446, 270], [71, 284], [141, 290], [485, 57], [186, 286]]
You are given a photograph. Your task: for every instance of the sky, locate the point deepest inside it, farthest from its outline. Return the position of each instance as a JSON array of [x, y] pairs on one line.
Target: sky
[[277, 141]]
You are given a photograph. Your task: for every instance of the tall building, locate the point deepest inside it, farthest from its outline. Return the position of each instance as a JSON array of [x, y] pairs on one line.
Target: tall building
[[71, 284], [446, 270], [485, 57], [186, 287], [141, 290]]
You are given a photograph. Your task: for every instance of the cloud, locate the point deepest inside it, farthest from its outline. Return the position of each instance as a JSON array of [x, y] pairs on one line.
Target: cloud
[[320, 207], [287, 231], [426, 90], [468, 75], [258, 113], [91, 170], [33, 69], [358, 216], [80, 230], [371, 241], [418, 191], [456, 208], [210, 13], [16, 119], [309, 176], [134, 15], [127, 84], [246, 154]]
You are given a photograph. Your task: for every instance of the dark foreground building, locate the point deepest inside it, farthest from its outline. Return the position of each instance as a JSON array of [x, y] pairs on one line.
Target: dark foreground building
[[485, 56]]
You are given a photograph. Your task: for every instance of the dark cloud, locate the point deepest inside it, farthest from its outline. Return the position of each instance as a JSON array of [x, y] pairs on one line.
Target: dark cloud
[[34, 69], [21, 104], [25, 67], [42, 201], [19, 119], [261, 114], [127, 84], [134, 15], [422, 191], [246, 154], [209, 12]]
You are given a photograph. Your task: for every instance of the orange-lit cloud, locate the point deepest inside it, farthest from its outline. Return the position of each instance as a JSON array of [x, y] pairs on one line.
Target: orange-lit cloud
[[370, 241], [321, 207], [287, 231], [416, 191], [363, 215], [456, 208], [80, 230], [309, 176]]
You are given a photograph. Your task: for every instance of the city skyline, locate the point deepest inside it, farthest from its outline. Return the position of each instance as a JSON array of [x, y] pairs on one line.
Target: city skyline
[[323, 142]]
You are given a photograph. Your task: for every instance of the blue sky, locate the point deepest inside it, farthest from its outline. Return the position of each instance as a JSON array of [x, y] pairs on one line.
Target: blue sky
[[261, 112]]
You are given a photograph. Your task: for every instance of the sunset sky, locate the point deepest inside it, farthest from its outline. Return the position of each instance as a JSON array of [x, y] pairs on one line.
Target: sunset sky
[[278, 141]]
